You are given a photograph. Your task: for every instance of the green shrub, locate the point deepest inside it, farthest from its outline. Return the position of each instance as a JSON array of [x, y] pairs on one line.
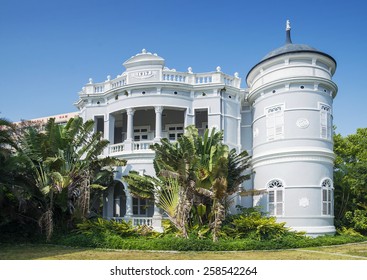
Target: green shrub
[[358, 220], [172, 243], [251, 223], [99, 225], [349, 232]]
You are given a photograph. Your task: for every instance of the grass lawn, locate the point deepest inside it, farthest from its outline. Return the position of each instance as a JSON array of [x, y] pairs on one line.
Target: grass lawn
[[355, 251]]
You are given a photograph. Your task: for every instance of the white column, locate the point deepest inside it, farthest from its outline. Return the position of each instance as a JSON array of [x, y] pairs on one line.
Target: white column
[[130, 123], [111, 125], [157, 216], [189, 117], [109, 130], [128, 144], [129, 204], [158, 123], [117, 206], [109, 202]]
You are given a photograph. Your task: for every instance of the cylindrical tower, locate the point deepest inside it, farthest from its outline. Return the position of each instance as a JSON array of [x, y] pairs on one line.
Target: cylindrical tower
[[291, 93]]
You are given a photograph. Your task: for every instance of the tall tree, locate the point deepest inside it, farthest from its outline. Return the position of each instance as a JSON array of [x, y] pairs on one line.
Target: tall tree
[[197, 169], [65, 161], [350, 173]]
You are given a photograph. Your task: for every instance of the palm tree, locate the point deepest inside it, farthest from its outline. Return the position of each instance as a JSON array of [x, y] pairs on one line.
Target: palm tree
[[65, 163], [194, 172], [205, 170]]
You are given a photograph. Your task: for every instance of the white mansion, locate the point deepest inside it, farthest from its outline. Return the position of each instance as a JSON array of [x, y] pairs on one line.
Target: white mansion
[[283, 118]]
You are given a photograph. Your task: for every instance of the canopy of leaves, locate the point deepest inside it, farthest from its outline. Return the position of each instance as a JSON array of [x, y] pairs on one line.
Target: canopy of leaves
[[350, 174]]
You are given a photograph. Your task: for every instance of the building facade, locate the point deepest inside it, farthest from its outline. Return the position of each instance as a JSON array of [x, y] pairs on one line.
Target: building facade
[[283, 118]]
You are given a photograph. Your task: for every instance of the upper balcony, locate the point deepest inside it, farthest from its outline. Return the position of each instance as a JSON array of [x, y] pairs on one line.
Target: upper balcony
[[145, 68]]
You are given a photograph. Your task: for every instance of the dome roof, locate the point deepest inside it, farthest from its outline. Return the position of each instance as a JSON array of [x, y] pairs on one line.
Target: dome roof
[[289, 47], [144, 58]]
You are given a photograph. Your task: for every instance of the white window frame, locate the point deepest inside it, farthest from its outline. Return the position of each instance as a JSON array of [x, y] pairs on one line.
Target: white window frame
[[138, 132], [275, 189], [327, 197], [325, 121], [175, 131], [274, 122], [140, 207]]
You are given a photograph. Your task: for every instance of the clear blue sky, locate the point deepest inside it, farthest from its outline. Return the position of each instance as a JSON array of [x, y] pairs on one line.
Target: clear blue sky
[[49, 48]]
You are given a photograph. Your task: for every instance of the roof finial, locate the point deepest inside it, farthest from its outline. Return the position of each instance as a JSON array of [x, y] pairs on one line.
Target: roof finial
[[288, 32], [288, 25]]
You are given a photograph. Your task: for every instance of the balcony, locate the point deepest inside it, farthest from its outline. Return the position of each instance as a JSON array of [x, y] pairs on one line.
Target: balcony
[[130, 147], [166, 76]]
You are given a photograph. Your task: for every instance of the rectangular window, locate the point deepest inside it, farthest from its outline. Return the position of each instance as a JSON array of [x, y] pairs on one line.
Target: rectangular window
[[327, 202], [275, 202], [274, 122], [325, 121], [99, 124], [139, 206], [175, 131], [141, 133]]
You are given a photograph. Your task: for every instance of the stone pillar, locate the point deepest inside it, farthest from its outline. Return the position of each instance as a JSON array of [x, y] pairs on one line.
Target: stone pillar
[[109, 130], [128, 144], [109, 203], [129, 204], [111, 125], [158, 123], [130, 123], [117, 206], [157, 216]]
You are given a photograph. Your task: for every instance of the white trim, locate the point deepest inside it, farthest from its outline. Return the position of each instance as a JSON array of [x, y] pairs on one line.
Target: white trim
[[304, 153], [325, 121], [274, 122], [276, 203], [329, 202]]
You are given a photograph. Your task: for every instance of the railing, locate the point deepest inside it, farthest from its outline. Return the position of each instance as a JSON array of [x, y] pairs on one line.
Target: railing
[[98, 88], [174, 77], [142, 145], [142, 221], [167, 76], [203, 79], [136, 147], [116, 148], [135, 221], [119, 82]]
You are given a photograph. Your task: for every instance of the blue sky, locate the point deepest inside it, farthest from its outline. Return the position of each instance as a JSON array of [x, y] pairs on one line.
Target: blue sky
[[49, 49]]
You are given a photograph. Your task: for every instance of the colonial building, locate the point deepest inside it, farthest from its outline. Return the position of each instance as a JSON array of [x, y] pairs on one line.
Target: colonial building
[[283, 118]]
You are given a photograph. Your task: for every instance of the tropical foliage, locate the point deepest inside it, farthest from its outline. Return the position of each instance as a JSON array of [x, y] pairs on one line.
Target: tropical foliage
[[197, 175], [56, 171], [350, 180]]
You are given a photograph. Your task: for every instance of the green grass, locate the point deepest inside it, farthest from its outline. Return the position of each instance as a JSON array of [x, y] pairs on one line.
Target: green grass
[[355, 251]]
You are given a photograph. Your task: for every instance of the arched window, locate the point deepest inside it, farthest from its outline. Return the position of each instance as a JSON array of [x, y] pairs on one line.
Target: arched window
[[276, 197], [327, 197]]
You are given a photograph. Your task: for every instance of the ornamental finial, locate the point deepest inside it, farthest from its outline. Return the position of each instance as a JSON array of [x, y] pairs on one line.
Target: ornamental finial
[[288, 25], [288, 39]]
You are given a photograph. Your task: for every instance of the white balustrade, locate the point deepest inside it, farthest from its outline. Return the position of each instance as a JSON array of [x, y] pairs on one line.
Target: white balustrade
[[119, 82], [176, 77], [116, 148], [203, 79], [142, 221], [98, 88], [142, 145], [167, 76], [135, 221]]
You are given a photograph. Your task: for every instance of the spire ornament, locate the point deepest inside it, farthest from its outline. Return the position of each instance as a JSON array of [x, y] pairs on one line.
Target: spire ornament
[[288, 39], [288, 25]]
